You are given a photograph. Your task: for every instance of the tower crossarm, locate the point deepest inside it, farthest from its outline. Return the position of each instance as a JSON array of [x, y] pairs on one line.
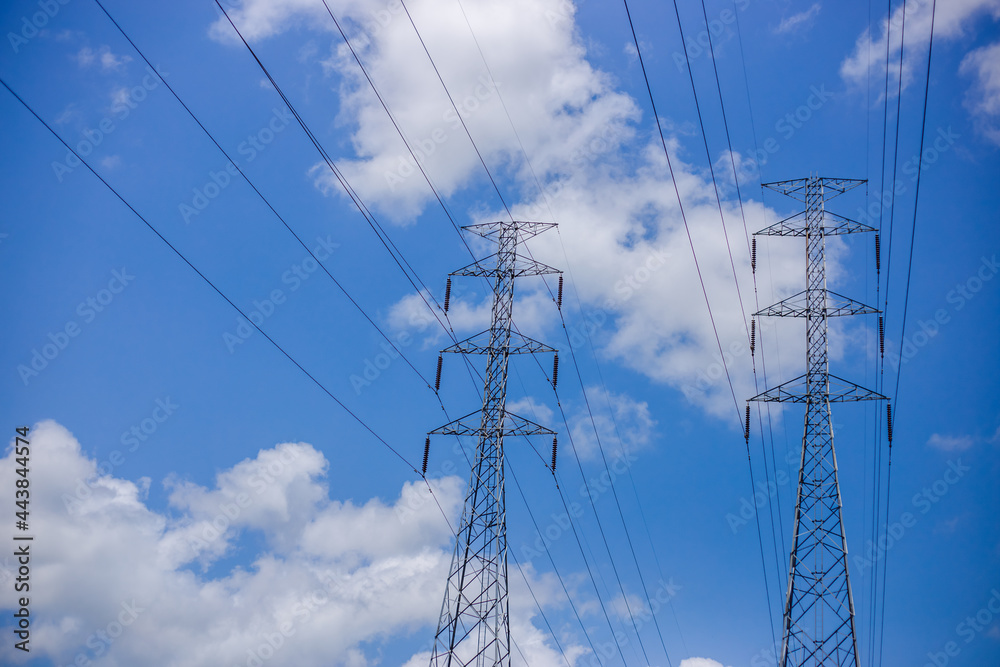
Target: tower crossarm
[[829, 224], [480, 344], [798, 306], [524, 230], [471, 424], [519, 267], [838, 390], [797, 188]]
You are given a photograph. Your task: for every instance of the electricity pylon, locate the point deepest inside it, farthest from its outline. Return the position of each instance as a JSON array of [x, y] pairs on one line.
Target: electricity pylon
[[474, 627], [818, 626]]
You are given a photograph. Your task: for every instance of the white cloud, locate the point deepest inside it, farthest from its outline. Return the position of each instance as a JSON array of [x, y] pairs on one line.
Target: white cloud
[[103, 56], [613, 415], [983, 100], [700, 662], [546, 77], [800, 21], [258, 19], [604, 180], [629, 607], [950, 443], [68, 114], [952, 20], [529, 408], [334, 579], [120, 97]]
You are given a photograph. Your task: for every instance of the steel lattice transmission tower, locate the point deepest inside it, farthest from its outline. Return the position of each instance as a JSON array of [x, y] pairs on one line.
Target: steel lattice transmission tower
[[474, 627], [818, 626]]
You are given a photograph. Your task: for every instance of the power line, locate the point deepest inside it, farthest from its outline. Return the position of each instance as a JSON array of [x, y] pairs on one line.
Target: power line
[[455, 107], [231, 303], [680, 205], [711, 166], [880, 380], [506, 207], [621, 514], [207, 280], [383, 237], [701, 279], [544, 200], [263, 198], [906, 300], [736, 181], [889, 246], [396, 125], [760, 177]]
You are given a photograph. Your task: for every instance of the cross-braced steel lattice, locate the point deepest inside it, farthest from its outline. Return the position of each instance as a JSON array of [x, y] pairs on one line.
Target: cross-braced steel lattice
[[819, 609], [475, 628]]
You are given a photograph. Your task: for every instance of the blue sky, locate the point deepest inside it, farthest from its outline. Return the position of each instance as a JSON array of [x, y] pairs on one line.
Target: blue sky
[[194, 491]]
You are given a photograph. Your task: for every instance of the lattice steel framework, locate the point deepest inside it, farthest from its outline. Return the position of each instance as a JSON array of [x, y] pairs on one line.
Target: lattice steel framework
[[818, 626], [474, 627]]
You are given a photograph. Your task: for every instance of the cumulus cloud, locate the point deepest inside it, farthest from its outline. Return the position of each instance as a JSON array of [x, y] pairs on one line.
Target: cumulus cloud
[[952, 20], [950, 443], [545, 76], [614, 415], [983, 100], [602, 176], [122, 584]]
